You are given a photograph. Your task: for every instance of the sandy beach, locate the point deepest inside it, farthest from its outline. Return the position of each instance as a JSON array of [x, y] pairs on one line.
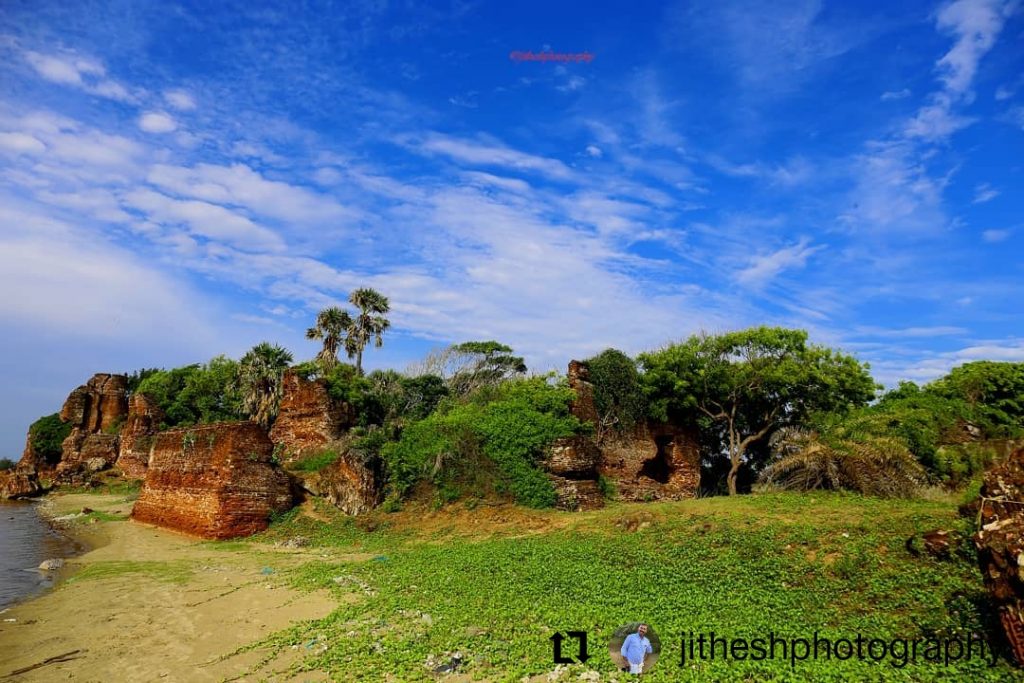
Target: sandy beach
[[144, 604]]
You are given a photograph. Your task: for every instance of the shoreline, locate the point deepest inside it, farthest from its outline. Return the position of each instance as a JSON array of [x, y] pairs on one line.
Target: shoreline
[[139, 603], [69, 545]]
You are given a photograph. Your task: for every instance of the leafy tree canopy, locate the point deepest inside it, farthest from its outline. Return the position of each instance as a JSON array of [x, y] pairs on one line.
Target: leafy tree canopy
[[46, 435], [195, 394], [995, 389], [747, 384], [618, 390]]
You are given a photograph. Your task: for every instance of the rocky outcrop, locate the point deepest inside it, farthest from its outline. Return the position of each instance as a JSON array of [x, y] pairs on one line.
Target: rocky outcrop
[[649, 461], [214, 481], [137, 436], [1000, 544], [94, 410], [350, 483], [98, 405], [20, 482], [31, 460], [308, 418], [84, 455]]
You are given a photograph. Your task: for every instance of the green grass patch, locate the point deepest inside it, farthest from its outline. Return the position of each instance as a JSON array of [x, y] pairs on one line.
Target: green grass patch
[[315, 462], [101, 516], [789, 563], [172, 572]]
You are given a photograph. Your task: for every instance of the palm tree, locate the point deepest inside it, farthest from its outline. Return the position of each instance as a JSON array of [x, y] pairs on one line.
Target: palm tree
[[852, 452], [332, 326], [369, 324], [259, 377]]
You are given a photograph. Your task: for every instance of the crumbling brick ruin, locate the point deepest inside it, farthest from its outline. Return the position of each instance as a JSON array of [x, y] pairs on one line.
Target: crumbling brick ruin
[[650, 461], [1000, 544], [216, 481]]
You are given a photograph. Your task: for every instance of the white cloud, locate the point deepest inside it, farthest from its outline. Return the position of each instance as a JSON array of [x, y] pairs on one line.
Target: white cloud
[[975, 23], [239, 185], [894, 193], [936, 121], [157, 122], [75, 285], [984, 192], [54, 69], [911, 332], [21, 143], [500, 182], [78, 72], [765, 267], [204, 219], [180, 99], [993, 236], [488, 152], [594, 151], [895, 95]]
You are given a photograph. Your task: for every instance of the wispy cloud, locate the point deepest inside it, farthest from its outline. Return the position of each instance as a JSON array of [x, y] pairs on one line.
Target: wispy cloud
[[983, 192], [890, 95], [486, 151], [764, 267]]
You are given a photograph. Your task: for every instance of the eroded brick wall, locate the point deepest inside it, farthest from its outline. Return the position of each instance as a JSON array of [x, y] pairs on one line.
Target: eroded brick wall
[[215, 481]]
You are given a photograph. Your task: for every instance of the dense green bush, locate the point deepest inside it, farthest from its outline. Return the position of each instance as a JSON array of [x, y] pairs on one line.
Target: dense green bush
[[924, 419], [6, 464], [508, 426], [46, 435], [196, 394]]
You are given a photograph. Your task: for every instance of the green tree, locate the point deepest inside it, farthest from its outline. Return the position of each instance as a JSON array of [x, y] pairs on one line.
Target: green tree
[[477, 364], [618, 391], [332, 328], [47, 436], [994, 389], [368, 325], [259, 380], [747, 384], [195, 394]]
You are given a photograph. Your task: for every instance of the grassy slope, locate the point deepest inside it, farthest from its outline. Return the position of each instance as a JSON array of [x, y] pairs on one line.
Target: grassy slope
[[496, 583]]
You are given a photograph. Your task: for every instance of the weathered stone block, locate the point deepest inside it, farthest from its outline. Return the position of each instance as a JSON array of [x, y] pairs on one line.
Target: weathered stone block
[[351, 484], [577, 494], [215, 481], [308, 418], [137, 436]]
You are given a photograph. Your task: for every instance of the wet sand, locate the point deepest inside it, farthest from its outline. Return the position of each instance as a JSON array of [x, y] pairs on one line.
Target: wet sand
[[145, 604]]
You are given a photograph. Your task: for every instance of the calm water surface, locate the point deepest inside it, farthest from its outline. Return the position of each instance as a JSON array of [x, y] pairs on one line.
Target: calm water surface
[[25, 541]]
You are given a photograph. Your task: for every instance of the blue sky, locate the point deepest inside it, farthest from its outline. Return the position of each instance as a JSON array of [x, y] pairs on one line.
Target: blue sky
[[182, 180]]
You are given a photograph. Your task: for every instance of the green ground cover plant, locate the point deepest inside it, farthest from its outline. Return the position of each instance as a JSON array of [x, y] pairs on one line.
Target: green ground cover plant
[[793, 563]]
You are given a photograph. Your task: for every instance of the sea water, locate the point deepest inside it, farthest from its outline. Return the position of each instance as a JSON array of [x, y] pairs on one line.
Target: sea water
[[25, 541]]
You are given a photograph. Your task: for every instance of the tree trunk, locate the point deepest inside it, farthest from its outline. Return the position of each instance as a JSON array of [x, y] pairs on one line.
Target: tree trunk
[[733, 473], [359, 362], [735, 454]]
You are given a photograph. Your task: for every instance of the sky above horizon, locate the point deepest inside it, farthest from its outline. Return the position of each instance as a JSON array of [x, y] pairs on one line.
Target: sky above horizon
[[179, 181]]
